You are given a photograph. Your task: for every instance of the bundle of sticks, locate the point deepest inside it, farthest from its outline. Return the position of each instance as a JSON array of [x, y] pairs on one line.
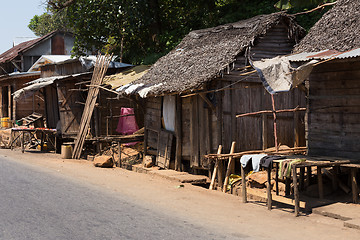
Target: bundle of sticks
[[101, 66]]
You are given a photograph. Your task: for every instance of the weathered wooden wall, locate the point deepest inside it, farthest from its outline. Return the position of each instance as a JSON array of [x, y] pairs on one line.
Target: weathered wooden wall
[[24, 107], [333, 126], [204, 127], [62, 69], [70, 107]]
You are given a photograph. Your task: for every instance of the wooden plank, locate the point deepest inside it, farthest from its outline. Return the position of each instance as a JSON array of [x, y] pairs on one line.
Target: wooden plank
[[164, 149]]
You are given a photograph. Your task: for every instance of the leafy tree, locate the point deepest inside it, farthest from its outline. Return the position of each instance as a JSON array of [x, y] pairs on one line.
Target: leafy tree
[[141, 31], [50, 21]]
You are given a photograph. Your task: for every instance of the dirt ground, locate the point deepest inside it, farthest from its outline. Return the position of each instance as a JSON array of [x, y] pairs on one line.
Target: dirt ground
[[223, 212]]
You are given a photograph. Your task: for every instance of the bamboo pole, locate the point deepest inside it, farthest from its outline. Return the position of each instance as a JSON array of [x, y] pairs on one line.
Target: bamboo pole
[[275, 130], [215, 170], [226, 181], [271, 111], [101, 65]]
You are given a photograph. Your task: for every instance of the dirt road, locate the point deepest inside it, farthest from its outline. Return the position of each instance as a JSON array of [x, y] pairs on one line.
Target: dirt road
[[210, 209]]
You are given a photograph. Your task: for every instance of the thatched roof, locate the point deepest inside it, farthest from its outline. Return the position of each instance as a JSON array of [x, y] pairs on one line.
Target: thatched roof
[[203, 54], [338, 29]]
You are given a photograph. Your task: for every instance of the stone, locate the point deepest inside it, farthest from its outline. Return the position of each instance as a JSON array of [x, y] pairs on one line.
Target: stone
[[103, 161], [148, 161], [258, 179]]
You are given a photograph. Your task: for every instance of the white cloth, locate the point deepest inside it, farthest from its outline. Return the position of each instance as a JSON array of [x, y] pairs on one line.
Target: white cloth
[[255, 160]]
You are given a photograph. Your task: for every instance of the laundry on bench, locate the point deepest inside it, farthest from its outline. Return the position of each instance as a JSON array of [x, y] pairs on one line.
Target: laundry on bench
[[255, 158]]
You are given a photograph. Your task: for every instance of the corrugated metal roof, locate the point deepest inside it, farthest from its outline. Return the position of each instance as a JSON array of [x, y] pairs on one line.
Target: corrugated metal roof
[[19, 75], [88, 61], [324, 55], [14, 51], [53, 78], [126, 77]]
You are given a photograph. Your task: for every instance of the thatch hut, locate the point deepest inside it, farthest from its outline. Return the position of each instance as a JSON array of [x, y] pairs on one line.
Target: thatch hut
[[338, 29], [194, 93], [333, 125]]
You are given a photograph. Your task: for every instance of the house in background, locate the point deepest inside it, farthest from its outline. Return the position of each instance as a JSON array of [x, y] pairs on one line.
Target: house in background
[[63, 85], [14, 64], [22, 56], [194, 93]]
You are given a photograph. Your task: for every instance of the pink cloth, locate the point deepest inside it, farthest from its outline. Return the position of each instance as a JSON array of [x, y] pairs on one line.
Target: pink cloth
[[127, 125]]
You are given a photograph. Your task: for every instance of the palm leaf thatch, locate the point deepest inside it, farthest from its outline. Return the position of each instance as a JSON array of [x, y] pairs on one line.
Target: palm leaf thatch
[[338, 29], [203, 54]]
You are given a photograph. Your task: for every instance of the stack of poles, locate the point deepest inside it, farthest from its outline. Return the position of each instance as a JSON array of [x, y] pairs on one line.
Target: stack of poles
[[101, 66]]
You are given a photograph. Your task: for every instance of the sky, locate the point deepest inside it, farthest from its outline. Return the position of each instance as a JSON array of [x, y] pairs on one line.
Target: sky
[[15, 16]]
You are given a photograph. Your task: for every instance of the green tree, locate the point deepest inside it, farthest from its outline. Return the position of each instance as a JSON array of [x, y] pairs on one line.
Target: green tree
[[50, 21], [141, 31]]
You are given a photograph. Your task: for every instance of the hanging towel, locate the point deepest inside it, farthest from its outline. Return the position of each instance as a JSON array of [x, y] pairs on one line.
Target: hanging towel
[[255, 160]]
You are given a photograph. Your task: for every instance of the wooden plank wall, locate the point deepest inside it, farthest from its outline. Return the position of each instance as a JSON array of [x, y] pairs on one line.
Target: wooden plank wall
[[333, 127], [153, 121], [203, 130], [70, 111], [27, 106], [249, 95], [52, 106]]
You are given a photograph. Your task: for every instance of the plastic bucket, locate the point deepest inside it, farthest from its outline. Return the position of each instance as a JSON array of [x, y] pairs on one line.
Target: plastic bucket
[[5, 122], [66, 151]]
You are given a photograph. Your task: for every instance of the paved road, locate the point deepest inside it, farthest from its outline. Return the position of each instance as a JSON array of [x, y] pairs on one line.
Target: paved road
[[38, 204]]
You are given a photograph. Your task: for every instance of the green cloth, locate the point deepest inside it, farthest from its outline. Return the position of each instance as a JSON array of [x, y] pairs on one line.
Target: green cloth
[[285, 167]]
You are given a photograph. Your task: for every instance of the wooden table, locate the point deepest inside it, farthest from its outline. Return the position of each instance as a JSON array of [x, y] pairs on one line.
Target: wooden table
[[298, 182], [45, 134]]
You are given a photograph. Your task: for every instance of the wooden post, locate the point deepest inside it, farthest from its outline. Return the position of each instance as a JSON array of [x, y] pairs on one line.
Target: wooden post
[[268, 190], [228, 170], [355, 191], [145, 140], [296, 191], [243, 185], [23, 142], [302, 175], [296, 129], [308, 175], [42, 141], [275, 131], [320, 183], [277, 178], [264, 131], [178, 132], [1, 102], [221, 173], [287, 186], [119, 149], [9, 102], [215, 170]]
